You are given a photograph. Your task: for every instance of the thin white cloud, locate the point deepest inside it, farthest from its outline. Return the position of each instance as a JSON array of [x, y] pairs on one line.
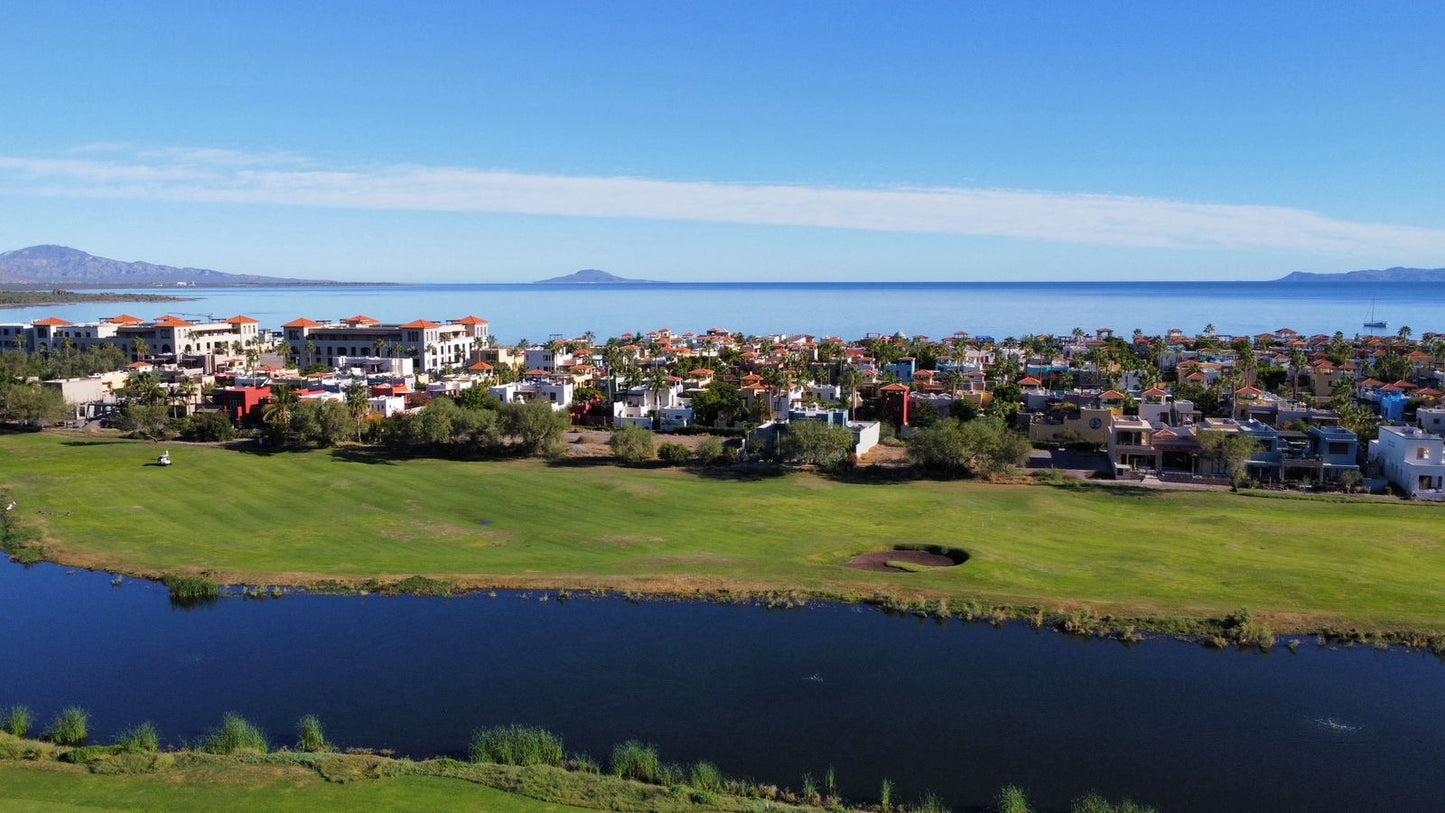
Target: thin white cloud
[[226, 176]]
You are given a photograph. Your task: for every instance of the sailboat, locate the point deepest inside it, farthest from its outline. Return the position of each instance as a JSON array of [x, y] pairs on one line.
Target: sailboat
[[1373, 322]]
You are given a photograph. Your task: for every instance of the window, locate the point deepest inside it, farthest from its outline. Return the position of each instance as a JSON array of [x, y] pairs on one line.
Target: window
[[1339, 448], [1422, 453]]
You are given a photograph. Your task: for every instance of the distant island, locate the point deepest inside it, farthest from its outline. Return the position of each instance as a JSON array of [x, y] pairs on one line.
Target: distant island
[[14, 298], [73, 268], [1396, 274], [590, 276]]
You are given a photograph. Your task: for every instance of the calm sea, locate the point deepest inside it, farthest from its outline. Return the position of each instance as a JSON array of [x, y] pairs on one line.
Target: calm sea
[[936, 309]]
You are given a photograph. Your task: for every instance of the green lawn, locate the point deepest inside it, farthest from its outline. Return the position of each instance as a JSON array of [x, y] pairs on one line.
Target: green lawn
[[297, 518], [56, 787]]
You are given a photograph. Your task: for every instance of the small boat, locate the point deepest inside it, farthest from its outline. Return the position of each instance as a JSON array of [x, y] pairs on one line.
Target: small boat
[[1373, 322]]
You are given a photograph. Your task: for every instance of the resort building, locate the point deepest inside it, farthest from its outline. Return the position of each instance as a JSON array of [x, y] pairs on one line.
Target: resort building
[[433, 345], [166, 336]]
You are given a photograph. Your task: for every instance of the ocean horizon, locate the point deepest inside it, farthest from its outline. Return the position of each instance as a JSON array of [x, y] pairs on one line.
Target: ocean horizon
[[537, 311]]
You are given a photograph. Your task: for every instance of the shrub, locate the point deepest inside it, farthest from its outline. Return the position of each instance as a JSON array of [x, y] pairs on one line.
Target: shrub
[[516, 745], [709, 451], [17, 721], [674, 454], [235, 734], [632, 444], [1011, 800], [143, 737], [69, 727], [635, 760], [209, 427], [310, 737]]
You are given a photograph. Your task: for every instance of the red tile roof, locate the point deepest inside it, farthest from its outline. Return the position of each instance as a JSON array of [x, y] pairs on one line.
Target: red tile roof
[[360, 320], [470, 320], [480, 367], [302, 322], [420, 324], [173, 321], [51, 322], [125, 319], [242, 320]]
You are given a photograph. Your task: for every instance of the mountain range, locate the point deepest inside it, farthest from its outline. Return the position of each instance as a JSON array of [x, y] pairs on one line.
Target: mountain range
[[73, 268], [1396, 274]]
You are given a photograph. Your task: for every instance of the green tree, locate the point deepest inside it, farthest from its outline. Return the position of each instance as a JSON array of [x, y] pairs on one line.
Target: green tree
[[537, 428], [32, 404], [983, 447], [143, 420], [1232, 450], [817, 443]]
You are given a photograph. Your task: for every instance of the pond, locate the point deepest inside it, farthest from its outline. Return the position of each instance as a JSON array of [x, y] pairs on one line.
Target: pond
[[956, 709]]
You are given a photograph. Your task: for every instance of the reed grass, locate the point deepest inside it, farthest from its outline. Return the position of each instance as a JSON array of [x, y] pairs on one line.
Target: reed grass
[[516, 745], [310, 736], [236, 734], [69, 727], [140, 739], [17, 721], [636, 760], [1011, 799]]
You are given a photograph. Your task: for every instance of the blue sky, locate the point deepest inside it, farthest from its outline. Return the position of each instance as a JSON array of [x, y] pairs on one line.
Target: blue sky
[[718, 141]]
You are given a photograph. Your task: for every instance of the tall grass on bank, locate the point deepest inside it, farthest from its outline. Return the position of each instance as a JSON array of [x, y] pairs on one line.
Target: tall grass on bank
[[1094, 803], [17, 721], [706, 776], [517, 745], [1011, 799], [310, 737], [141, 738], [235, 734], [190, 590], [70, 727], [636, 760]]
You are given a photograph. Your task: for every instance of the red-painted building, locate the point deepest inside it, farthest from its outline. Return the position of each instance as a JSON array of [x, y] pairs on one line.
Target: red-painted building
[[243, 403]]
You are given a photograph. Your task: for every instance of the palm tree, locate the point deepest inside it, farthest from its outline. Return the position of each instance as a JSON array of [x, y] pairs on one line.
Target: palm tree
[[378, 345], [138, 348], [1297, 362], [183, 391], [1405, 332], [280, 406], [145, 388], [656, 384], [358, 404], [310, 353]]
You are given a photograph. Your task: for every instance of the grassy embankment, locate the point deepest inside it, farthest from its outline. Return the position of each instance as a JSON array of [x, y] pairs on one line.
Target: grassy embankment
[[308, 518], [41, 775]]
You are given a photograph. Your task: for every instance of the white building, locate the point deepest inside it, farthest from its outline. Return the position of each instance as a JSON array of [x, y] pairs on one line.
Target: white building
[[556, 391], [1412, 460]]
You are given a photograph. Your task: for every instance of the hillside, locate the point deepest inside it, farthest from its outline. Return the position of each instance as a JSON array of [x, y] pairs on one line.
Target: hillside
[[1396, 274], [72, 268]]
